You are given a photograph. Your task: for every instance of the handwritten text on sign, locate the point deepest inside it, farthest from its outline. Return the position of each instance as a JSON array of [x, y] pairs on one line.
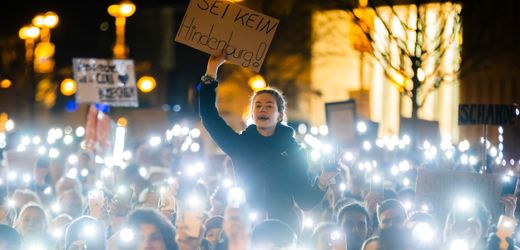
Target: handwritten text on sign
[[105, 81], [213, 26]]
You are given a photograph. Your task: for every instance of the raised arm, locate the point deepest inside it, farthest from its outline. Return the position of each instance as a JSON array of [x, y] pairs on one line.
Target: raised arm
[[225, 137]]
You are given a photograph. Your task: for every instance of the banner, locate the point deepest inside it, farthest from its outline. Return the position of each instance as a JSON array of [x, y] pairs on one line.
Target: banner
[[213, 26], [490, 114], [105, 81], [443, 189]]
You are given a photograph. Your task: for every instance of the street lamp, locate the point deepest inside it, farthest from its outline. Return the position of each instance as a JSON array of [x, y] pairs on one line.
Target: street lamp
[[257, 83], [68, 87], [43, 61], [146, 84], [5, 83], [121, 12], [29, 34]]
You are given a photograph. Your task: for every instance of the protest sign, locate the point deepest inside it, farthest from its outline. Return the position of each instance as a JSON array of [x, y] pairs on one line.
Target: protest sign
[[341, 121], [213, 26], [107, 81], [490, 114], [443, 189]]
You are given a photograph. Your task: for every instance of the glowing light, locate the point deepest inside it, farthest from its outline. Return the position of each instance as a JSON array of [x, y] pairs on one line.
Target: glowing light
[[302, 128], [12, 175], [194, 201], [84, 172], [309, 223], [227, 183], [464, 160], [26, 140], [72, 173], [500, 130], [143, 172], [80, 131], [26, 178], [425, 208], [315, 155], [512, 161], [195, 133], [195, 147], [106, 172], [54, 153], [367, 145], [395, 170], [155, 141], [21, 148], [500, 138], [257, 83], [463, 146], [348, 156], [406, 181], [361, 127], [424, 232], [5, 83], [56, 208], [404, 166], [146, 84], [426, 145], [449, 154], [9, 125], [11, 203], [464, 204], [314, 130], [68, 139], [57, 233], [99, 184], [406, 139], [89, 230], [408, 205], [342, 187], [459, 245], [376, 178], [324, 130], [253, 216], [335, 235], [126, 235], [68, 87], [47, 191], [127, 155], [473, 160], [36, 140]]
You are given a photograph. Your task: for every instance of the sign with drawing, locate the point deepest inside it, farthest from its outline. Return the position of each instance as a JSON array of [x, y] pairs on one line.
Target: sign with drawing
[[106, 81]]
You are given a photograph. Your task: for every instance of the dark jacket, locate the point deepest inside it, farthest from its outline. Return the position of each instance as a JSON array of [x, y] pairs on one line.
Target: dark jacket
[[272, 170]]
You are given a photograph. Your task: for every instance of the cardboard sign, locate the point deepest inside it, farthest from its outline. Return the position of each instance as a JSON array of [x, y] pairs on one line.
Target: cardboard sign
[[341, 121], [213, 26], [491, 114], [105, 81], [443, 189]]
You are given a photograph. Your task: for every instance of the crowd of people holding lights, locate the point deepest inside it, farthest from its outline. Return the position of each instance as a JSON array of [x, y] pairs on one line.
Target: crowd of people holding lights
[[275, 188]]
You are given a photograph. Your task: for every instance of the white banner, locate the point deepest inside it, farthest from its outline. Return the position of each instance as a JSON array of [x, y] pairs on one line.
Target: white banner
[[107, 81]]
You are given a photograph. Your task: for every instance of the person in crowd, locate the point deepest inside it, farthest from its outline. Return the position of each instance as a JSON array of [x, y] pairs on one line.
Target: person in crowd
[[213, 229], [217, 201], [71, 203], [7, 213], [57, 228], [354, 220], [32, 224], [265, 155], [391, 213], [85, 232], [21, 197], [150, 231], [65, 183], [469, 222], [273, 234], [328, 236], [9, 238]]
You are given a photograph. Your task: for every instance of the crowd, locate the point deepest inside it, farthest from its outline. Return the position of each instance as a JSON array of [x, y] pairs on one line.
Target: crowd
[[167, 197]]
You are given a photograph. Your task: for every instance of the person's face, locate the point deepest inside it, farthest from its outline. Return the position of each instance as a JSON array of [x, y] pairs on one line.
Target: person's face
[[392, 217], [150, 238], [265, 111], [212, 235], [355, 228], [32, 222]]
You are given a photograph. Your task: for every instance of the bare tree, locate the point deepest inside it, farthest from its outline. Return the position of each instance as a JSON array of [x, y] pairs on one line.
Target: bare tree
[[413, 43]]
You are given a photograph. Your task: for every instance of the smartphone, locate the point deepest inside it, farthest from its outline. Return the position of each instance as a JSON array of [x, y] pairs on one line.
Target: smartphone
[[167, 199], [192, 220], [96, 201], [505, 228], [509, 185]]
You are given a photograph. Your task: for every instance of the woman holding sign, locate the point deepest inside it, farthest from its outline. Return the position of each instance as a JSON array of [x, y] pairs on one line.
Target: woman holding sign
[[269, 163]]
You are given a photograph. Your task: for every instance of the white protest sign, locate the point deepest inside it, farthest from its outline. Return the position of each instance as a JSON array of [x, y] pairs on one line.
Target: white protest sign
[[443, 189], [107, 81], [213, 26]]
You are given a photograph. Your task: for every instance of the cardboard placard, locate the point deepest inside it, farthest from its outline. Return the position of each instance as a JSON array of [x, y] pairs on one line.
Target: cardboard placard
[[107, 81], [341, 121], [213, 26], [443, 188]]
